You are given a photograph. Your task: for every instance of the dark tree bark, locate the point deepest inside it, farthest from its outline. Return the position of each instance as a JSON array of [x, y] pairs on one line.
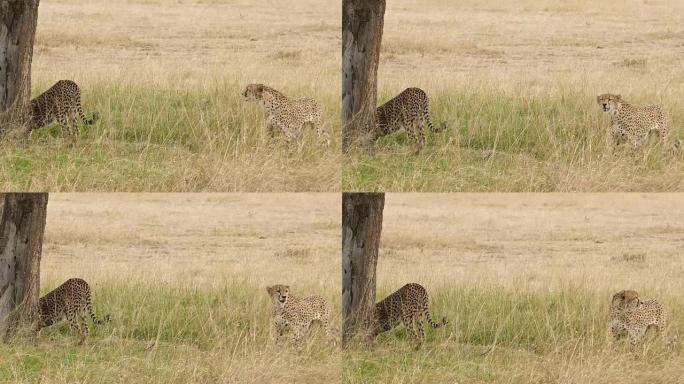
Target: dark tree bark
[[21, 243], [361, 228], [18, 20], [362, 23]]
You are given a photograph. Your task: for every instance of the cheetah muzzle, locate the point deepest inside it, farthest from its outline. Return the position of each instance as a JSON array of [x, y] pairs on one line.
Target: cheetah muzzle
[[285, 115], [297, 314], [630, 316]]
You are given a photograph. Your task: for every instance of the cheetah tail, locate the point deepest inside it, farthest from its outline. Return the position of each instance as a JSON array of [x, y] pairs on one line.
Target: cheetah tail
[[436, 128], [432, 322], [96, 321], [92, 120]]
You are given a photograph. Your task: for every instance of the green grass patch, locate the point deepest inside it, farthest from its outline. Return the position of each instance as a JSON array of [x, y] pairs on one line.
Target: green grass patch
[[514, 142]]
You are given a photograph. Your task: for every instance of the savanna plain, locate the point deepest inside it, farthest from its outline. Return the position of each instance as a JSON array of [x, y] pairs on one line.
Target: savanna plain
[[184, 279], [516, 84], [166, 79], [526, 283]]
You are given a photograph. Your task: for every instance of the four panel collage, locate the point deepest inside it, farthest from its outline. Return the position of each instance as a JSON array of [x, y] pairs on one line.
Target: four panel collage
[[355, 191]]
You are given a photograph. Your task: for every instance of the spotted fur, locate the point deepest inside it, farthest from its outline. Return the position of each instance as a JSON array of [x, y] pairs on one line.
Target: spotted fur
[[408, 306], [630, 316], [70, 301], [61, 103], [408, 110], [286, 115], [633, 124], [297, 314]]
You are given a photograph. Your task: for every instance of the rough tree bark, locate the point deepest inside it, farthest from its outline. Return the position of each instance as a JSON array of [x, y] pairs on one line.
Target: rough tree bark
[[362, 23], [18, 20], [361, 228], [21, 242]]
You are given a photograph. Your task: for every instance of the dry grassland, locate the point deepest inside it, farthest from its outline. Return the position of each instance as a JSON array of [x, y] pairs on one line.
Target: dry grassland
[[516, 83], [184, 278], [166, 77], [532, 275]]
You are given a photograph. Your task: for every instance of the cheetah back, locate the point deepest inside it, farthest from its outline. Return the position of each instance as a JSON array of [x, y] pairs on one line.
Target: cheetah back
[[61, 103], [408, 110], [408, 303], [71, 300]]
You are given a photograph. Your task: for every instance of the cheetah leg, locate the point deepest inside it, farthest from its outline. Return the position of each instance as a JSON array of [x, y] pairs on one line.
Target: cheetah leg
[[420, 332], [84, 328], [298, 334], [270, 128], [73, 123], [420, 131], [414, 134], [63, 121], [279, 331], [321, 132], [636, 337], [76, 325], [409, 324]]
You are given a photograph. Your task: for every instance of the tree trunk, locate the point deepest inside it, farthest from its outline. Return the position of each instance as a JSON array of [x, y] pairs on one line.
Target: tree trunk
[[21, 242], [18, 20], [362, 23], [361, 227]]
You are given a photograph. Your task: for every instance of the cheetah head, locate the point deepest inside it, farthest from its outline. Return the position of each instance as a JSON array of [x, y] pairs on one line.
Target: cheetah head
[[623, 299], [609, 102], [253, 92], [279, 294]]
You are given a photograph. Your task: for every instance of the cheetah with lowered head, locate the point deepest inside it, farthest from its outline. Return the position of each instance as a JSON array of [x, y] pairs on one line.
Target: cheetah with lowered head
[[72, 301], [61, 103], [408, 110], [630, 316], [297, 314], [287, 115], [409, 306], [633, 124]]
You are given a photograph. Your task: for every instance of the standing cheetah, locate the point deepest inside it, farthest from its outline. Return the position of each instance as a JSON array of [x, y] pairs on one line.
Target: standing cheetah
[[61, 103], [287, 115], [631, 123], [630, 316], [408, 110], [72, 301], [409, 306], [297, 314]]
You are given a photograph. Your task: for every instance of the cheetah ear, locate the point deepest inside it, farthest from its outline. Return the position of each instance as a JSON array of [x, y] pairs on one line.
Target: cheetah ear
[[269, 290], [618, 97], [260, 88]]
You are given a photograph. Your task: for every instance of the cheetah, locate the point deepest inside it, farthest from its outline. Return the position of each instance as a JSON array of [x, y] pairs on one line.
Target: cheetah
[[633, 124], [630, 316], [287, 115], [407, 110], [72, 301], [297, 314], [409, 305], [61, 102]]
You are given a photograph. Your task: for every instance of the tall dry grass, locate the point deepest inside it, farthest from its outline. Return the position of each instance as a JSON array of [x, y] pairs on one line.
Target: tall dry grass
[[184, 279], [166, 78], [532, 276], [516, 84]]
